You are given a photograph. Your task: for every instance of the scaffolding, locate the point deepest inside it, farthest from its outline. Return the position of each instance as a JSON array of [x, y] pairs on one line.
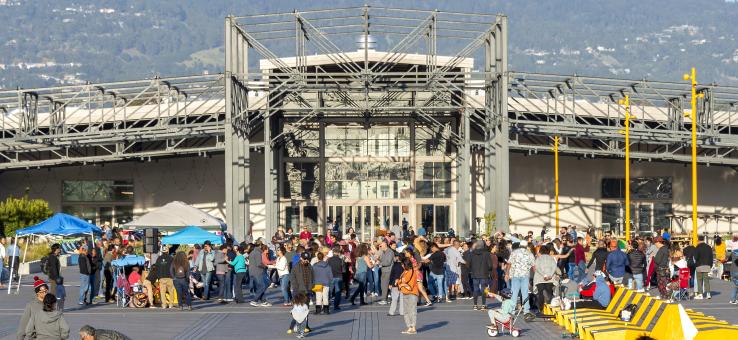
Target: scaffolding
[[306, 69]]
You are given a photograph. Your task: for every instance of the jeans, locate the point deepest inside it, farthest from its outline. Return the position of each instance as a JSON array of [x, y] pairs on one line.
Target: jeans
[[734, 281], [581, 271], [638, 279], [300, 327], [284, 286], [478, 286], [703, 283], [221, 285], [520, 286], [228, 286], [617, 280], [570, 271], [99, 279], [259, 287], [336, 285], [183, 291], [375, 281], [206, 279], [238, 287], [441, 289], [360, 279], [84, 287]]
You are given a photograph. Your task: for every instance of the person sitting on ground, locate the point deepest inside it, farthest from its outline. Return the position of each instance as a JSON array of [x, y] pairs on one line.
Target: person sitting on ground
[[587, 290], [49, 323], [87, 332], [601, 296], [502, 314]]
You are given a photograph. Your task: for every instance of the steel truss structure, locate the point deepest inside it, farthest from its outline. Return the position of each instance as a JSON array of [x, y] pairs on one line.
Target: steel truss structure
[[365, 87], [310, 74]]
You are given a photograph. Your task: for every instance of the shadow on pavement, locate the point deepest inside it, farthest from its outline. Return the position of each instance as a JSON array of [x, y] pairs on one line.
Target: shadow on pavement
[[434, 325]]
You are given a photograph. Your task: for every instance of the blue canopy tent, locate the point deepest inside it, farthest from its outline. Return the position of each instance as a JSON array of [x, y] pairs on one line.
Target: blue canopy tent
[[61, 225], [58, 225], [192, 235]]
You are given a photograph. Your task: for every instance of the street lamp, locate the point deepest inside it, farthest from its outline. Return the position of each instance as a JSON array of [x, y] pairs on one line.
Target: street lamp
[[693, 117], [626, 102]]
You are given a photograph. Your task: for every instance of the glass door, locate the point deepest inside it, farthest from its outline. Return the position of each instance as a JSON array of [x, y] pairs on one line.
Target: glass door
[[644, 217]]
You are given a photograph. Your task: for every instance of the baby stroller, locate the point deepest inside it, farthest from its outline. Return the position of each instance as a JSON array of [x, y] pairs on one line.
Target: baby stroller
[[127, 295], [507, 327]]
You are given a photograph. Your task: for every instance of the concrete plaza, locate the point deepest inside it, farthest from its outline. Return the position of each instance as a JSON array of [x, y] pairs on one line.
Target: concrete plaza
[[215, 321]]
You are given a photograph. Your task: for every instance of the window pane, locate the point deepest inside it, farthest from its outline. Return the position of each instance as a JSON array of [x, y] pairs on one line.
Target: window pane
[[442, 218], [424, 189], [97, 191], [660, 213]]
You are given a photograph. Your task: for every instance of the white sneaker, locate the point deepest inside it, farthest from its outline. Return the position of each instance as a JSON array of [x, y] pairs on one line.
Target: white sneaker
[[734, 302], [708, 296], [254, 303], [565, 281], [698, 297]]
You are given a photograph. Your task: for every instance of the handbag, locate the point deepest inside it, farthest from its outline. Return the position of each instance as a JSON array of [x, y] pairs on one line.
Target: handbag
[[317, 288]]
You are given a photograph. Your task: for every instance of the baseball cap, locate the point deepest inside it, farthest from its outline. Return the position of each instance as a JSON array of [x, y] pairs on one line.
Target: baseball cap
[[523, 243], [658, 239]]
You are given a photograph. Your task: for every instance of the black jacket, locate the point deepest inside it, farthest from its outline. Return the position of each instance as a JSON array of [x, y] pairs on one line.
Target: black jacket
[[689, 253], [703, 255], [481, 264], [54, 268], [599, 257], [163, 266], [637, 261], [96, 263], [661, 259], [301, 278], [336, 265], [395, 273], [85, 267]]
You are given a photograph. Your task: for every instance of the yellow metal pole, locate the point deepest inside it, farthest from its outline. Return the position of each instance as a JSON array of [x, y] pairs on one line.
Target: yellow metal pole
[[556, 179], [626, 103], [693, 117]]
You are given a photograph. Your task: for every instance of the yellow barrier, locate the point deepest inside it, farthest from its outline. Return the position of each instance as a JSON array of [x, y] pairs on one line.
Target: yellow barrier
[[657, 318]]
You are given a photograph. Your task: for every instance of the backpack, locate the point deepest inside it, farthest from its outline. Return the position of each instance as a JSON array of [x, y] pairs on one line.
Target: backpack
[[45, 265]]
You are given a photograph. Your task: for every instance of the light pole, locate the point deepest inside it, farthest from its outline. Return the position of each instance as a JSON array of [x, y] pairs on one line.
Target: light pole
[[626, 102], [693, 117], [556, 180]]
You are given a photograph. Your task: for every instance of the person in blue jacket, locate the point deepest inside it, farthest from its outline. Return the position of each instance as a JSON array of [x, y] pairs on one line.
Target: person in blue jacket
[[601, 297], [616, 263]]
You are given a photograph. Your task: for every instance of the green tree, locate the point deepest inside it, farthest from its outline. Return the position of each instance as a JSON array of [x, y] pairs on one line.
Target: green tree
[[17, 213]]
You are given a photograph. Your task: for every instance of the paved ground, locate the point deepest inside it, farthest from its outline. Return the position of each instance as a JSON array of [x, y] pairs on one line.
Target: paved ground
[[214, 321]]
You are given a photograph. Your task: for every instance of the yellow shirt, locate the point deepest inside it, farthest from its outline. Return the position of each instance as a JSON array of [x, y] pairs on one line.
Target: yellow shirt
[[720, 252]]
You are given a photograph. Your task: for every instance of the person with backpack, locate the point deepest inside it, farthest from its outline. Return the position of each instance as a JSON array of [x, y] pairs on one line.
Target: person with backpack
[[689, 251], [53, 267], [637, 260], [703, 259], [181, 273]]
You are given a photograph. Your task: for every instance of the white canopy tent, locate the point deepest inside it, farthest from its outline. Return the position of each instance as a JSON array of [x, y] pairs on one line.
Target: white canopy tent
[[175, 216]]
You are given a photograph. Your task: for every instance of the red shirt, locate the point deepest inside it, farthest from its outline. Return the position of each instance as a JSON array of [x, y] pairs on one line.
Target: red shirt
[[579, 253], [305, 235]]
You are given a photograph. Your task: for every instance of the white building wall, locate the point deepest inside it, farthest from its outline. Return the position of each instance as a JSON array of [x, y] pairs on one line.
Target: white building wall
[[532, 191]]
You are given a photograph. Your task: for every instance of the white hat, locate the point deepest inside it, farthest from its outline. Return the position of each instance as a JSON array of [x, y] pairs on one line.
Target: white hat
[[523, 243]]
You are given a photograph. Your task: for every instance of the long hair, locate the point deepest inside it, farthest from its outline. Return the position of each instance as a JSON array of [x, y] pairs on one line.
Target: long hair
[[362, 250], [49, 303], [421, 246], [180, 261]]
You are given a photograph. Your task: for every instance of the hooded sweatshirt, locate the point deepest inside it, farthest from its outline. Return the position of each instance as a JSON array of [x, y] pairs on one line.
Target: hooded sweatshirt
[[481, 264], [602, 292], [322, 273], [47, 326], [32, 308], [545, 266]]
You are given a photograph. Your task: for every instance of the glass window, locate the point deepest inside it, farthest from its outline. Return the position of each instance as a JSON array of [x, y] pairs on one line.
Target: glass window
[[442, 218], [424, 189], [310, 213], [644, 217], [301, 180], [661, 211], [97, 191], [292, 217], [611, 217]]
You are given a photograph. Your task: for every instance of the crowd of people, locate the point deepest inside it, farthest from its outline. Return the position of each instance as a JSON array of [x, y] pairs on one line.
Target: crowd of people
[[402, 271]]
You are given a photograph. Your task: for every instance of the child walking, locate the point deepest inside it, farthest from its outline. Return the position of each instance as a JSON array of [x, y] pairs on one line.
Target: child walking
[[300, 311]]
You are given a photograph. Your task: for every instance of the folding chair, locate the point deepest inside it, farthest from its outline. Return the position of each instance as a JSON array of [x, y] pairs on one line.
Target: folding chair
[[683, 280]]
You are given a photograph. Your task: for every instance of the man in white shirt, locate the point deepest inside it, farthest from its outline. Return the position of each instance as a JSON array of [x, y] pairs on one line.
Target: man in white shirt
[[2, 261], [732, 245], [12, 252]]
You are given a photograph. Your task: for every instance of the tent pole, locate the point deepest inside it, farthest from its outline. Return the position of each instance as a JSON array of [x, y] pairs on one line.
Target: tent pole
[[25, 252], [12, 264]]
